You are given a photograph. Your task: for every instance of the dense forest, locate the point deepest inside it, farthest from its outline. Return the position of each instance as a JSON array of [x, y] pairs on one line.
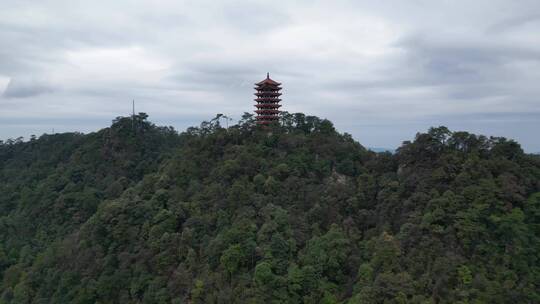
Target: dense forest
[[296, 213]]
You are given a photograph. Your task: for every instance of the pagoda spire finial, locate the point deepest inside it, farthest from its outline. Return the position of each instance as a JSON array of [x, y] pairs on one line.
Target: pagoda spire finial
[[267, 75]]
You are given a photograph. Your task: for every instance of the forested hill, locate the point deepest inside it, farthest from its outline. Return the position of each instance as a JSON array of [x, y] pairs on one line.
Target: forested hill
[[299, 213]]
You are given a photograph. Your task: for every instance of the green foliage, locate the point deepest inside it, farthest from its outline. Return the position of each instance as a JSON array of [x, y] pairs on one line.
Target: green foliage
[[297, 213], [465, 275], [231, 258], [263, 274]]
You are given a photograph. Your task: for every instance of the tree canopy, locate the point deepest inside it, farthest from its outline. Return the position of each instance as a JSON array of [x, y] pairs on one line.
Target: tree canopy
[[294, 213]]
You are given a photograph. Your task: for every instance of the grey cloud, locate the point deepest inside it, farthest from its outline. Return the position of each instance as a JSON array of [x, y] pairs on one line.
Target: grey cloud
[[26, 88], [513, 23], [212, 76], [469, 71], [255, 18], [461, 60]]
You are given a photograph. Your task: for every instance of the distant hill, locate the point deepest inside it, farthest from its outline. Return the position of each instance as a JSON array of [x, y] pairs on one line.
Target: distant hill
[[379, 150], [297, 213]]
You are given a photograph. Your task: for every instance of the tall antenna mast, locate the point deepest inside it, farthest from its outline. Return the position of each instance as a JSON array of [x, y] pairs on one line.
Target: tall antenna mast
[[133, 116]]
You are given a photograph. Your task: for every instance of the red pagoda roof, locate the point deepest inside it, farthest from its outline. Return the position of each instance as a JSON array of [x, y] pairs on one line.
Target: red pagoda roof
[[268, 80]]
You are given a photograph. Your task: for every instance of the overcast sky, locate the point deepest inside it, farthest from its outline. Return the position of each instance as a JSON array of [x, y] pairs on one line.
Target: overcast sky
[[380, 70]]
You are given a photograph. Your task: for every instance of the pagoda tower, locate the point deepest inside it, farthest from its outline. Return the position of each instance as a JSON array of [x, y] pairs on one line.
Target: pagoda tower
[[267, 101]]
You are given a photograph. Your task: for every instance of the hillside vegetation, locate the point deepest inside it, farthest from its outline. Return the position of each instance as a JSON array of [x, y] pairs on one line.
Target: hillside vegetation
[[299, 213]]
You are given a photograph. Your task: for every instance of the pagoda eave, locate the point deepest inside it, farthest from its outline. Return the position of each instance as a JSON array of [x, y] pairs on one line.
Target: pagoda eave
[[273, 88], [268, 82]]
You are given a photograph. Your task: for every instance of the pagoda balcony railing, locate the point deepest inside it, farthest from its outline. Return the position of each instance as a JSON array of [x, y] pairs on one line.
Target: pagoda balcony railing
[[268, 103], [267, 106], [267, 94], [268, 99], [267, 111]]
